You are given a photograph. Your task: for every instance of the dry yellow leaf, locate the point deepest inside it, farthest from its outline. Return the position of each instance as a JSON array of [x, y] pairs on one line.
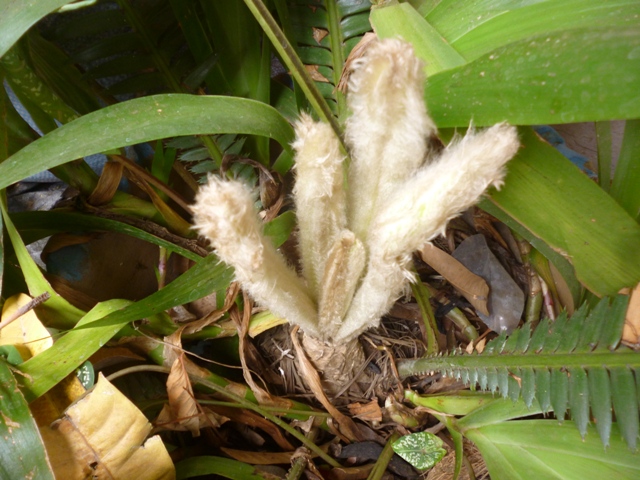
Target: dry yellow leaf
[[30, 337], [26, 332], [102, 435]]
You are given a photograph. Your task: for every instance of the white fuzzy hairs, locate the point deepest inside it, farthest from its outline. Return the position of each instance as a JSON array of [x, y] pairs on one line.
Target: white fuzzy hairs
[[356, 242]]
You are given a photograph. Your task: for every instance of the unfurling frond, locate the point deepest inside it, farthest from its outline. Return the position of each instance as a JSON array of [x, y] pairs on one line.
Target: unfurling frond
[[356, 243]]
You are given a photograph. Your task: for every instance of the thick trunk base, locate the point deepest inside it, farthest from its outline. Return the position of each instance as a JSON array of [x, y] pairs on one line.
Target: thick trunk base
[[336, 364]]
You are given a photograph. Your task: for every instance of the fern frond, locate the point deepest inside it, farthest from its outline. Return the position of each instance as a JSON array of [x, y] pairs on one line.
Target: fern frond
[[574, 364], [325, 33]]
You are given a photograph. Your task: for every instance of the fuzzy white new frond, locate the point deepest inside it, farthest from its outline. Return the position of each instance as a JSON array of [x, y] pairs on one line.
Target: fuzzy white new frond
[[319, 196], [344, 266], [224, 213], [387, 131], [419, 210]]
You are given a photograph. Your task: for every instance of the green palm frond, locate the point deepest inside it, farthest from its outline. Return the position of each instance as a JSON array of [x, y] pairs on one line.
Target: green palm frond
[[325, 33], [573, 363], [139, 46]]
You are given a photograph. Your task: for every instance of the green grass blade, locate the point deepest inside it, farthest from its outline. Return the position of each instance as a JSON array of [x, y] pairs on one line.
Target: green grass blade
[[291, 60], [627, 175], [203, 278], [43, 371], [527, 83], [142, 120], [553, 200], [22, 454], [15, 19]]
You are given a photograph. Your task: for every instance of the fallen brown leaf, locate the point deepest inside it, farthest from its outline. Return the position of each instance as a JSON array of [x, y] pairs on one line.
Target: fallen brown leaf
[[369, 412], [474, 288]]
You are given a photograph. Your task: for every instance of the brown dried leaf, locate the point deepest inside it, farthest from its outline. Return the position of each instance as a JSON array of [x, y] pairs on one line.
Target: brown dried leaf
[[184, 408], [248, 351], [474, 288], [319, 34], [246, 417], [107, 184], [259, 458], [369, 412], [356, 52], [631, 331], [313, 72]]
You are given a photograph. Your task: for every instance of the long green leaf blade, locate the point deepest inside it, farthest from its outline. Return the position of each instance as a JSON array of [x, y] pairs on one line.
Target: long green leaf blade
[[143, 120], [549, 196], [528, 83], [22, 454]]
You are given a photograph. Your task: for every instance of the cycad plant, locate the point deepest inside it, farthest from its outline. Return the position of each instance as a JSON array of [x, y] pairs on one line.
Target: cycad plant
[[356, 245], [198, 75]]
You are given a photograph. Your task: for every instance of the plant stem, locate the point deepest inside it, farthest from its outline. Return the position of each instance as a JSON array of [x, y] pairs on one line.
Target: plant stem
[[423, 295], [384, 458], [293, 63]]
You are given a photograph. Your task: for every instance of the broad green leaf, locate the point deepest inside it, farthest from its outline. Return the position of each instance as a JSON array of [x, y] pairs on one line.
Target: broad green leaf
[[422, 450], [541, 18], [455, 18], [22, 454], [143, 120], [16, 18], [554, 201], [561, 77], [223, 467], [404, 21], [526, 449]]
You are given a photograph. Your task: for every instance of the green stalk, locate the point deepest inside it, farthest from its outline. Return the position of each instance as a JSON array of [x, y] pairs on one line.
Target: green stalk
[[338, 60], [293, 63], [383, 460], [423, 295]]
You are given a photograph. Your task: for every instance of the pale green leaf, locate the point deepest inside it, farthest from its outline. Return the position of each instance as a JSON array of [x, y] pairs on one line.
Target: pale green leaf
[[422, 450]]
